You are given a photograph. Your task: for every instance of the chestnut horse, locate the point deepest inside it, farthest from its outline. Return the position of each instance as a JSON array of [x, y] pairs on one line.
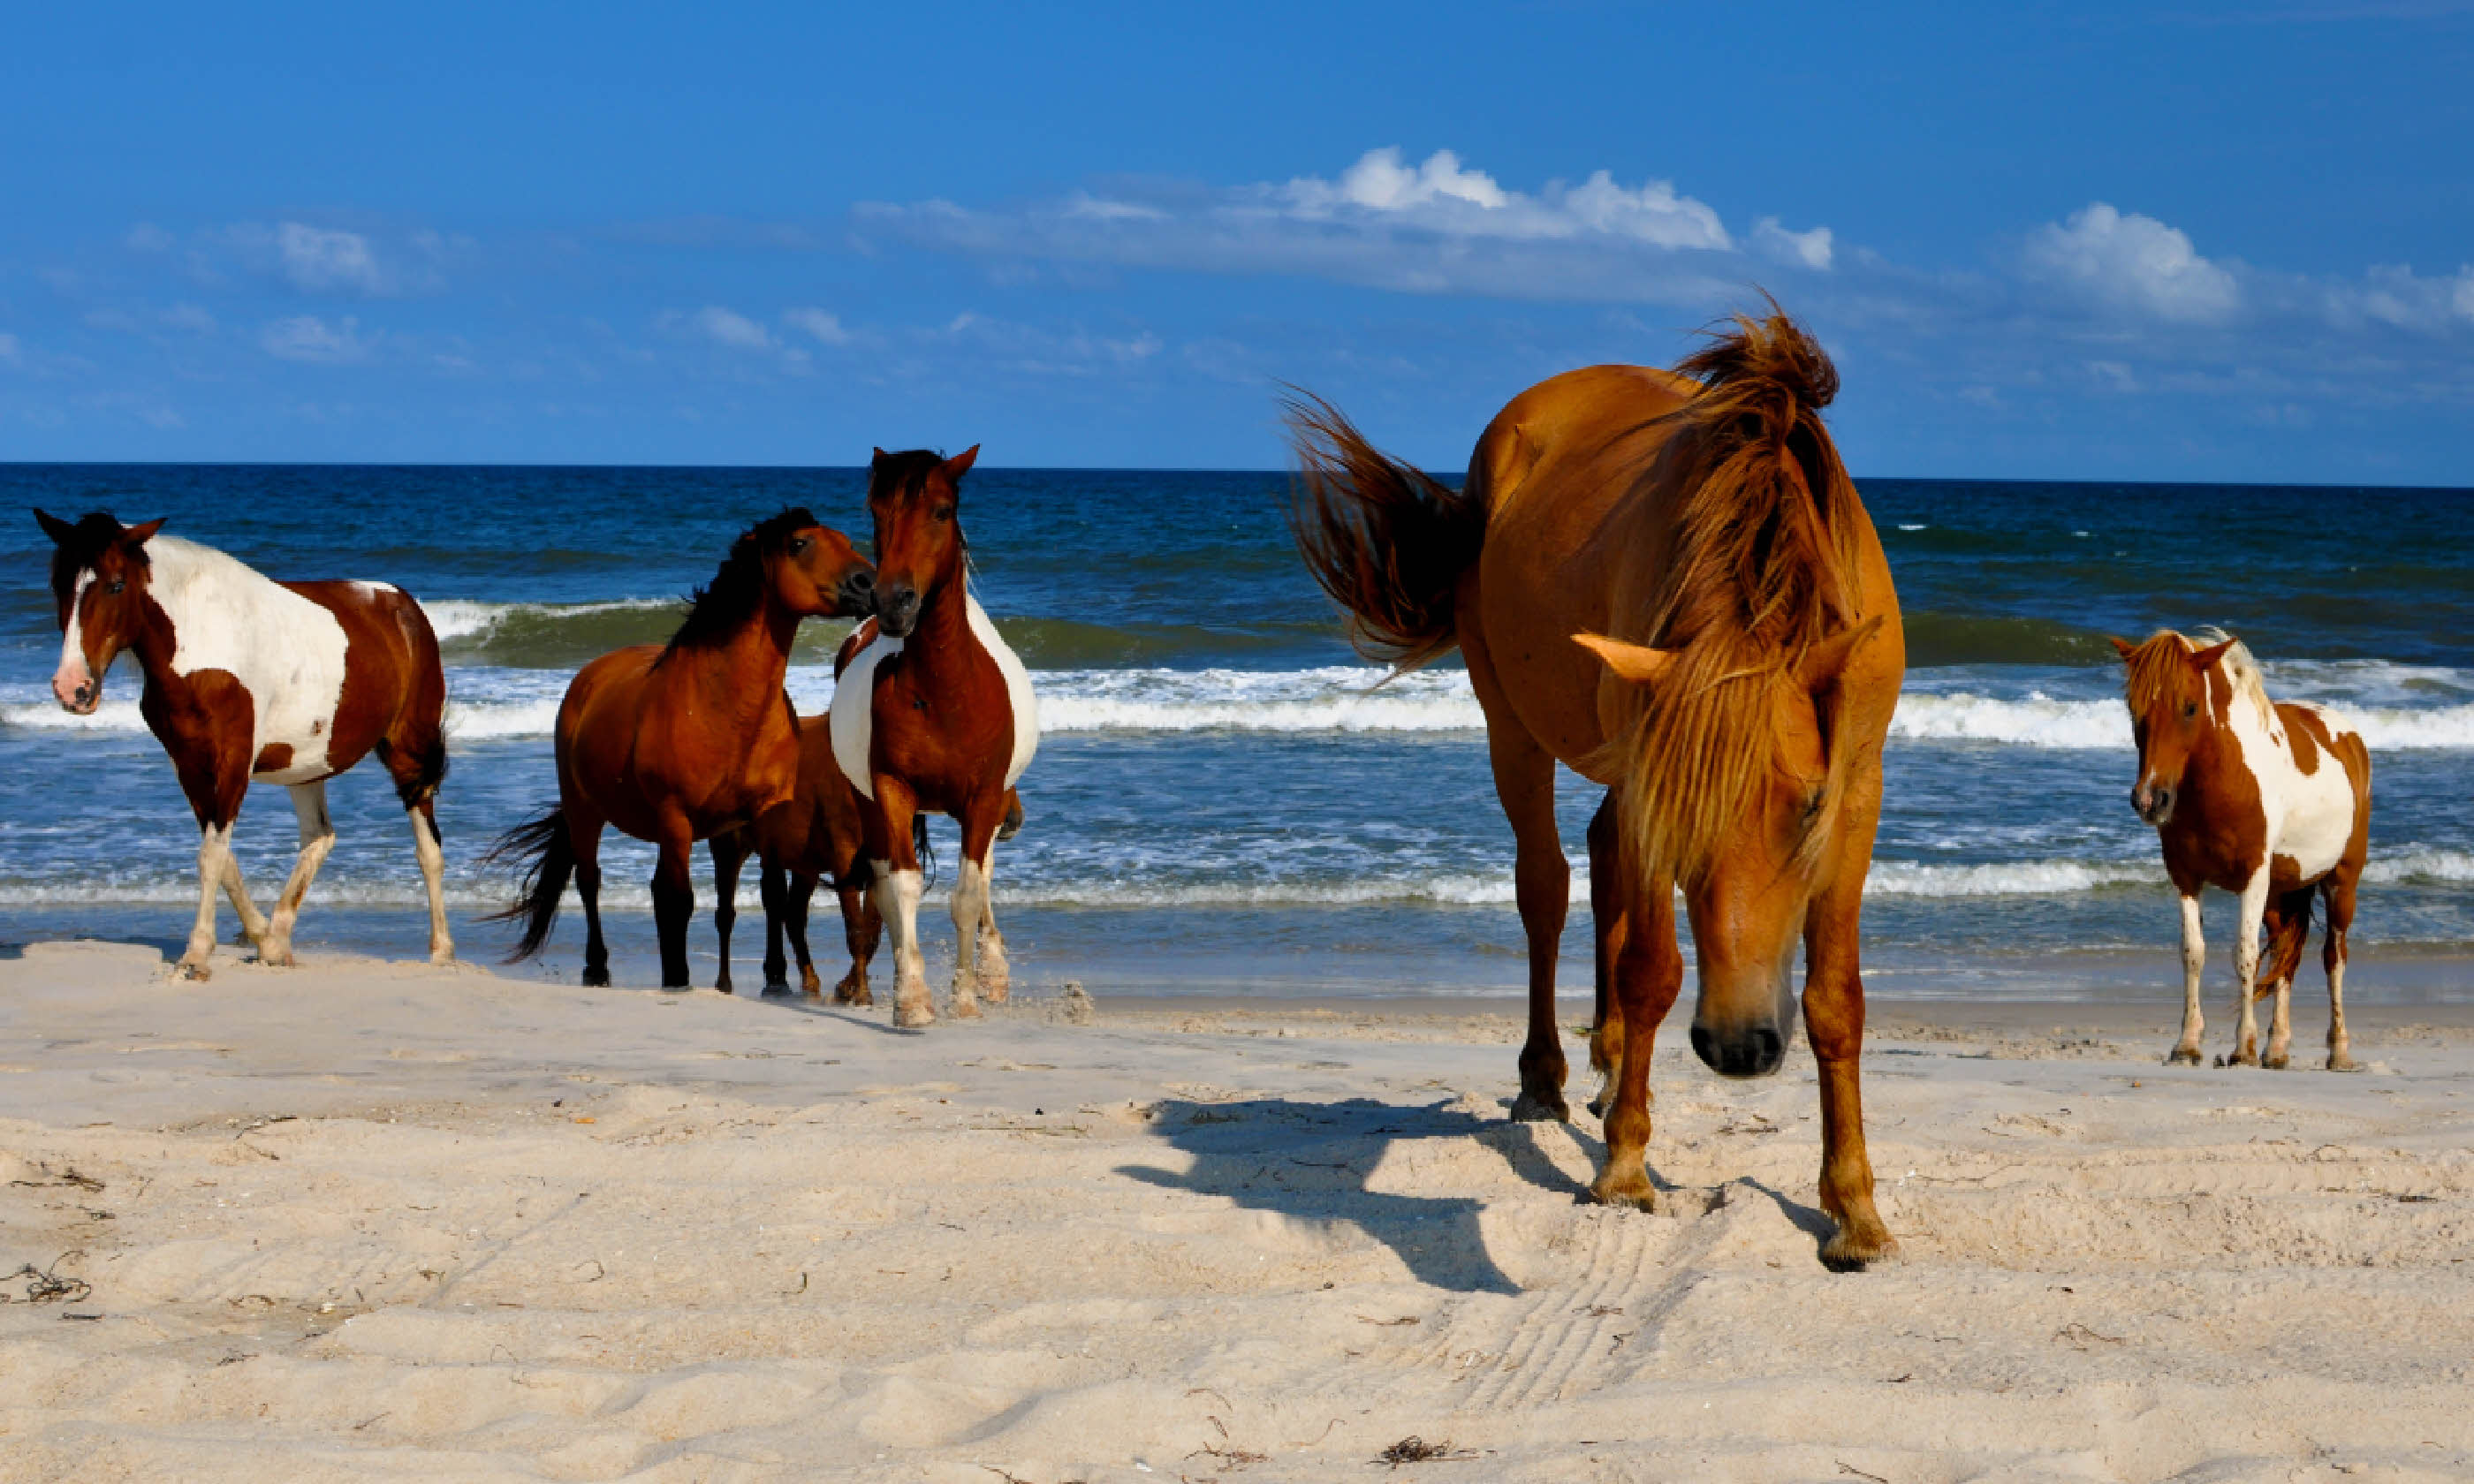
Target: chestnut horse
[[675, 743], [937, 714], [1666, 582], [248, 680], [2243, 799]]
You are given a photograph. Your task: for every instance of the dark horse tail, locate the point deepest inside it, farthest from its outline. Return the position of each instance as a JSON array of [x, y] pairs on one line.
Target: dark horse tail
[[544, 842], [1387, 542]]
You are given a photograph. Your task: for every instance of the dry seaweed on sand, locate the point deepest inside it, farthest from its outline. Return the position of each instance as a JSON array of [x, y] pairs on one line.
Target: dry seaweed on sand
[[46, 1285], [1414, 1449]]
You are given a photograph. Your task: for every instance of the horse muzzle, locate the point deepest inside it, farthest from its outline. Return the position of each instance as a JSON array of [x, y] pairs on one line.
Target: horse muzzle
[[897, 610], [2152, 802], [78, 695], [1740, 1051], [857, 597]]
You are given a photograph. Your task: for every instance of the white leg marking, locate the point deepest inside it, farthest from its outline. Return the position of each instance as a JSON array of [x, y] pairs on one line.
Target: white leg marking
[[2254, 902], [433, 875], [252, 921], [996, 975], [970, 897], [317, 838], [2195, 962], [214, 848], [897, 900], [2280, 1023]]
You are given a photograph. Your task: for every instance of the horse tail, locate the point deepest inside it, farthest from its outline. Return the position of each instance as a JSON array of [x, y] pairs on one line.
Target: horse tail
[[1387, 542], [2284, 953], [545, 843]]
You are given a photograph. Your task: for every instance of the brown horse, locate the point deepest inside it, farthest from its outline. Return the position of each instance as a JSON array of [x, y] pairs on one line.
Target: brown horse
[[1702, 518], [934, 714], [248, 680], [675, 743], [2243, 799], [815, 837]]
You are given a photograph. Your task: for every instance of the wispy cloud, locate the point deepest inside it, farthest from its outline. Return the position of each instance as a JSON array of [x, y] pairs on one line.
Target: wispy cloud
[[728, 327], [825, 328], [2128, 261], [307, 338]]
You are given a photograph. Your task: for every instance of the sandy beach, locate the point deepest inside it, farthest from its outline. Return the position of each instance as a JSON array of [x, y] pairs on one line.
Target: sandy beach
[[373, 1220]]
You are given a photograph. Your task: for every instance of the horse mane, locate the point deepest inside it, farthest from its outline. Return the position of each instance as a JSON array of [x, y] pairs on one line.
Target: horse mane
[[1763, 567], [722, 607], [89, 539], [2159, 675]]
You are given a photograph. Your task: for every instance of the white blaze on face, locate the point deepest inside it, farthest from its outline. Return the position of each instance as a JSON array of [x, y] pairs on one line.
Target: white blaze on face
[[72, 676]]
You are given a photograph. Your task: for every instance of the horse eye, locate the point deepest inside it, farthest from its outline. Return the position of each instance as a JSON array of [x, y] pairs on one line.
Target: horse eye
[[116, 585], [944, 512], [2189, 709], [798, 544]]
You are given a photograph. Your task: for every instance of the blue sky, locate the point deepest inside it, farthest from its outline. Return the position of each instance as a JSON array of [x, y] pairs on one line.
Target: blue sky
[[2209, 242]]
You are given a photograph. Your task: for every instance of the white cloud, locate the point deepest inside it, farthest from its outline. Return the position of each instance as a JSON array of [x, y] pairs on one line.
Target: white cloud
[[1440, 196], [1811, 249], [825, 327], [317, 259], [308, 338], [2131, 262], [728, 327]]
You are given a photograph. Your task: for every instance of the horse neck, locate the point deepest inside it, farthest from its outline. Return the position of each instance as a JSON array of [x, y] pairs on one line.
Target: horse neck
[[941, 644], [744, 672], [175, 571]]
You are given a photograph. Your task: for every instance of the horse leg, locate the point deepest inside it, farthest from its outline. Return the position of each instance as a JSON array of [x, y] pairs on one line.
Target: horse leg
[[214, 848], [897, 888], [1611, 925], [2339, 891], [2195, 962], [1648, 975], [862, 929], [771, 891], [2253, 908], [674, 901], [253, 922], [317, 838], [979, 952], [2288, 928], [584, 838], [432, 855], [1833, 1024], [729, 852], [1524, 781]]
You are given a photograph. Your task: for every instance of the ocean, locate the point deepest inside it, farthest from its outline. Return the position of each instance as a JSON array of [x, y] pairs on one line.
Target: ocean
[[1223, 802]]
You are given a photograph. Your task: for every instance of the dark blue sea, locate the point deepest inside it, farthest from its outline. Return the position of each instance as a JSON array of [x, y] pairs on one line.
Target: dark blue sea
[[1221, 801]]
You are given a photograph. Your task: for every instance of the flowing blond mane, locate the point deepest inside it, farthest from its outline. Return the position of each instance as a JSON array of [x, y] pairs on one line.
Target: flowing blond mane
[[2159, 675], [1763, 567]]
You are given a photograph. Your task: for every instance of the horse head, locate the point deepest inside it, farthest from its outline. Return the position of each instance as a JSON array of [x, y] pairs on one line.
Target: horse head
[[815, 572], [915, 499], [99, 569], [2171, 714], [1730, 790]]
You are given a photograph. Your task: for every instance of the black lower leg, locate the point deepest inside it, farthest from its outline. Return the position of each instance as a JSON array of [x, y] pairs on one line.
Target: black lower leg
[[673, 905], [597, 953]]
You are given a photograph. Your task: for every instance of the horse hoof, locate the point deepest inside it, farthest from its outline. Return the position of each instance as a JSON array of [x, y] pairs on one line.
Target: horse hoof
[[2275, 1064], [913, 1016], [277, 958], [2184, 1056], [1853, 1252], [596, 978], [966, 1010], [1634, 1194], [1530, 1108], [195, 973], [2339, 1062]]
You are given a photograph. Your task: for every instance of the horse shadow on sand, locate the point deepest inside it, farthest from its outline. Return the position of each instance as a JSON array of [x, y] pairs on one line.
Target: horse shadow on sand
[[1311, 1161]]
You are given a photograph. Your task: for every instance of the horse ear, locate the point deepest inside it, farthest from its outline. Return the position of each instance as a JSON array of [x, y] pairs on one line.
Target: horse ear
[[1638, 663], [1824, 662], [2206, 660], [960, 464], [2126, 648], [58, 529], [877, 457], [139, 535]]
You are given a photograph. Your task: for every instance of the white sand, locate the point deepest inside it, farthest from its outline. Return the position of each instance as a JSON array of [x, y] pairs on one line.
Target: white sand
[[362, 1220]]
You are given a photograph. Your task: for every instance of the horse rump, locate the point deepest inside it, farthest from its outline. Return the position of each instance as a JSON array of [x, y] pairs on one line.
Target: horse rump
[[547, 853]]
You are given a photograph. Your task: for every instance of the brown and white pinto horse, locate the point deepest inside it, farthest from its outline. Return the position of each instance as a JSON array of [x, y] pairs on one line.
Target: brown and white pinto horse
[[937, 714], [2244, 798], [1666, 582], [248, 680], [679, 742]]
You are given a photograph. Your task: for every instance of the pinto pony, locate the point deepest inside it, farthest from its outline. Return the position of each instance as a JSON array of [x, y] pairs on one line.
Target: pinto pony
[[2266, 799], [1666, 582], [248, 680], [935, 713], [680, 742]]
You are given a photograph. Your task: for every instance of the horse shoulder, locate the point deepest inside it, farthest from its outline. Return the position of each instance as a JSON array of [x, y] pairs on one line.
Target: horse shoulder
[[851, 721]]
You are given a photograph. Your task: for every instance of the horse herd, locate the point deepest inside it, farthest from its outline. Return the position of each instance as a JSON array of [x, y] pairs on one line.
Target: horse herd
[[1661, 580]]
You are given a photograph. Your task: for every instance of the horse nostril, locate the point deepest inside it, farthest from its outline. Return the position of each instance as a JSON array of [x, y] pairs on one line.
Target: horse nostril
[[862, 582]]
